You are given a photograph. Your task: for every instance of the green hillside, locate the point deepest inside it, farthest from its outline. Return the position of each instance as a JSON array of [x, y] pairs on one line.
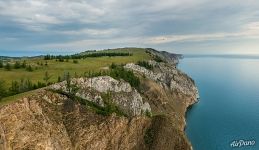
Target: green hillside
[[56, 69]]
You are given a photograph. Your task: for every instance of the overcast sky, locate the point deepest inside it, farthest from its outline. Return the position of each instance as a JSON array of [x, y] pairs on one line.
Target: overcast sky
[[182, 26]]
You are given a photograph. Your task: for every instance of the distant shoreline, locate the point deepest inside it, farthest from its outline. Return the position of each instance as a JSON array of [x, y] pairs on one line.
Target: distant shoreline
[[232, 56]]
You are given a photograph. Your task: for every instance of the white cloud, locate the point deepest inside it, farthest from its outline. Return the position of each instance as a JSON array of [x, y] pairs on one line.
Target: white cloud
[[91, 32], [250, 30], [82, 23]]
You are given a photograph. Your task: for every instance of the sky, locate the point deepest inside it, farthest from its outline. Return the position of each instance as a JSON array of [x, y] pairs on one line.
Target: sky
[[180, 26]]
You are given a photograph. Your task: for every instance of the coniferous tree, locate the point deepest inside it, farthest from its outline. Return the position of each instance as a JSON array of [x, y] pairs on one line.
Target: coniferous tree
[[17, 65], [23, 64], [3, 91], [46, 77], [29, 68], [1, 64], [7, 67]]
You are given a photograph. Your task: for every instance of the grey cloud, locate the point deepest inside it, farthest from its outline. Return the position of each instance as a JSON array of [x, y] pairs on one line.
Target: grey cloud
[[79, 24]]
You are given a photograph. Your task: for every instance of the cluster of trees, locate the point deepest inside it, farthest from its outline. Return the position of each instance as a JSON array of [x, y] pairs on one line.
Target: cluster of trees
[[158, 59], [145, 64], [3, 92], [154, 56], [118, 72], [17, 65], [18, 87], [62, 58], [22, 85]]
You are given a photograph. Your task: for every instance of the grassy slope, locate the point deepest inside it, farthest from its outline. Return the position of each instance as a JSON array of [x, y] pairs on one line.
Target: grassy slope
[[56, 69]]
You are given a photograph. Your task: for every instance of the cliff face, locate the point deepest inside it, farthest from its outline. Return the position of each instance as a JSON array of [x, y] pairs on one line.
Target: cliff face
[[49, 120]]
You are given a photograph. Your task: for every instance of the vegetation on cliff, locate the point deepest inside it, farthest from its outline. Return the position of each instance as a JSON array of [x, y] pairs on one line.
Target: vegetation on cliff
[[14, 72], [89, 92]]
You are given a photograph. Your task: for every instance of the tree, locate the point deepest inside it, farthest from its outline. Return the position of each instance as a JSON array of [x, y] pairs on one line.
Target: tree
[[76, 76], [3, 91], [59, 79], [7, 67], [145, 64], [14, 89], [29, 68], [68, 80], [17, 65], [1, 64], [75, 61], [46, 77], [23, 64]]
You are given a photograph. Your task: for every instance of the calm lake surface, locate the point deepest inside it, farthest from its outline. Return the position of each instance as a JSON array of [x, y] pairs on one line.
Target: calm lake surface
[[228, 109]]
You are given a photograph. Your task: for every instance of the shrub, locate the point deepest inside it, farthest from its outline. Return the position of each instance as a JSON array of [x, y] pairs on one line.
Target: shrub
[[149, 136], [148, 113]]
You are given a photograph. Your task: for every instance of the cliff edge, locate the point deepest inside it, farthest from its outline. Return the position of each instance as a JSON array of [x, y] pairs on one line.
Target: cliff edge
[[103, 112]]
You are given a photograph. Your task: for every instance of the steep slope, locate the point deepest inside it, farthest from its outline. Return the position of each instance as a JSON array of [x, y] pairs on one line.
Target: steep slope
[[53, 119]]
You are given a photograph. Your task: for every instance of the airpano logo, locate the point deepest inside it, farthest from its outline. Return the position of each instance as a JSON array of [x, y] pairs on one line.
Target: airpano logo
[[242, 143]]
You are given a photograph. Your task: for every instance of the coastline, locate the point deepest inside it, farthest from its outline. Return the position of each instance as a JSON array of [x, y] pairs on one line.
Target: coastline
[[165, 91]]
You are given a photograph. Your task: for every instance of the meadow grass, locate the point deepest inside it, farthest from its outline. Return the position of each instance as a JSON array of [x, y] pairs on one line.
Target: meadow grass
[[13, 98], [56, 68]]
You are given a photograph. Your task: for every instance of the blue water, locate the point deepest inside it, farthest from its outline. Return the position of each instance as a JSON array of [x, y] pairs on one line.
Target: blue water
[[228, 109]]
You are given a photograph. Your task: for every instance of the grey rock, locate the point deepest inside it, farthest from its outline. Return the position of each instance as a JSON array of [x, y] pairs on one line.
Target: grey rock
[[123, 95]]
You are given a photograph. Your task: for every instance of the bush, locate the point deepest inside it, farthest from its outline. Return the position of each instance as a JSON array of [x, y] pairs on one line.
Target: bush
[[149, 136]]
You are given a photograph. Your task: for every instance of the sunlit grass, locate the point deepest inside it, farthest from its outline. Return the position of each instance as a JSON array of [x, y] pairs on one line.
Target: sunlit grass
[[56, 68]]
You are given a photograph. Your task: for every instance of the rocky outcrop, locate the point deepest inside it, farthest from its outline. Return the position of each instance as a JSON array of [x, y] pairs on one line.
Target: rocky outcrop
[[122, 94], [50, 120], [168, 76]]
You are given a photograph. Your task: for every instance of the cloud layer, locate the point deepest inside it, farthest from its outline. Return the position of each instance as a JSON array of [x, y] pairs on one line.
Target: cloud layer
[[185, 26]]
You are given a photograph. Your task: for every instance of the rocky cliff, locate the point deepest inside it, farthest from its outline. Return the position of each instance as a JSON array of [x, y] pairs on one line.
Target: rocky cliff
[[149, 117]]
